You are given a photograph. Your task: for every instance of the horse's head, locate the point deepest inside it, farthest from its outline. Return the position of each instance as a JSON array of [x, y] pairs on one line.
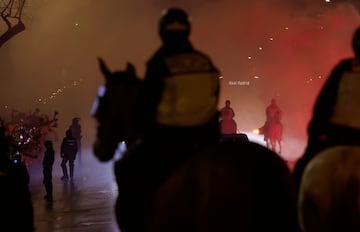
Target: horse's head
[[114, 110]]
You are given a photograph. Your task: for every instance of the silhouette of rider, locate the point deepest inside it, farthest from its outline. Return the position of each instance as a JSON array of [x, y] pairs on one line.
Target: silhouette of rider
[[336, 113], [181, 86], [273, 116], [227, 123], [178, 112], [273, 112], [179, 98], [68, 152]]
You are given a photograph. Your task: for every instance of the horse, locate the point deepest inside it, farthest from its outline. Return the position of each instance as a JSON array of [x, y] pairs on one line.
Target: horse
[[226, 186], [228, 126], [273, 135], [329, 191]]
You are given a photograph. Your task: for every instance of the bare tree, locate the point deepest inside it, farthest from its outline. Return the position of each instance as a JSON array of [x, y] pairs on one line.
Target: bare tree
[[11, 12]]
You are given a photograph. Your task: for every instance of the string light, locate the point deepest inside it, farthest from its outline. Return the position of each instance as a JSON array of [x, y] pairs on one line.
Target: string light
[[58, 92]]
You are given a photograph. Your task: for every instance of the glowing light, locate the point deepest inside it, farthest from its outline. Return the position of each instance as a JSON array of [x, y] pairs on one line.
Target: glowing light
[[260, 48], [101, 91], [249, 57], [256, 77], [256, 131], [59, 91], [286, 28], [271, 39], [327, 0]]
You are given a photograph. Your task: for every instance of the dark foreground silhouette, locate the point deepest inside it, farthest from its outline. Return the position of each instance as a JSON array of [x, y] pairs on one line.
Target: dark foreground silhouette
[[228, 186]]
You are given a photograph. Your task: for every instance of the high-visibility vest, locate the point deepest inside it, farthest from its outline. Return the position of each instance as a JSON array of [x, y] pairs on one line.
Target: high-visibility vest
[[346, 111], [190, 95]]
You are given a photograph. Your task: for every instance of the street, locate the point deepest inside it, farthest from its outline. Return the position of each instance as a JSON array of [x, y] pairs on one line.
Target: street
[[85, 204]]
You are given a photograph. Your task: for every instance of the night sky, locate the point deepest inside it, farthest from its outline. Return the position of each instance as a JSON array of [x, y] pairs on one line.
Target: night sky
[[265, 49]]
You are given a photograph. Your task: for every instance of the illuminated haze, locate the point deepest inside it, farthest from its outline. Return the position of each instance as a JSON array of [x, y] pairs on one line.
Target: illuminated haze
[[266, 49]]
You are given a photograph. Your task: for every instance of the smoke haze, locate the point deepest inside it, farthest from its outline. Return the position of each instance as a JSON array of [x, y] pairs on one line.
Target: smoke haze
[[265, 49]]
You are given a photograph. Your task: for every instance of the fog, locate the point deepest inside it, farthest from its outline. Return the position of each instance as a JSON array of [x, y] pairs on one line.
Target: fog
[[265, 49]]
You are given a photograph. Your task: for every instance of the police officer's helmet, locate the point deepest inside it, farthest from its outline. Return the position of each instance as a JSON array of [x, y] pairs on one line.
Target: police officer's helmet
[[356, 42], [174, 20]]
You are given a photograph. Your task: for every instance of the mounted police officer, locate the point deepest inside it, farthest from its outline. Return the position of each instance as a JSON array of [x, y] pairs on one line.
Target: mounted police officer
[[336, 114], [177, 113], [181, 86]]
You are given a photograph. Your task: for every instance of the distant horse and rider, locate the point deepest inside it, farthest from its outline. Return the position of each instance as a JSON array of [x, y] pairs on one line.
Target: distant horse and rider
[[273, 128], [227, 122]]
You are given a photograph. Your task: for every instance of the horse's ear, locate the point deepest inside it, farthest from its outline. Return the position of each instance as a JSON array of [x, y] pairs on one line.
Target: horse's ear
[[130, 69], [103, 67]]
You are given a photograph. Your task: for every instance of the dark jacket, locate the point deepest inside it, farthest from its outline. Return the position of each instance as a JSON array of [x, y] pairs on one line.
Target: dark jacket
[[68, 148], [331, 124], [323, 121], [49, 158]]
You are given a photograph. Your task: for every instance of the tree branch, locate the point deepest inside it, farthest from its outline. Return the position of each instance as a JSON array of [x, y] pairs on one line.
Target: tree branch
[[11, 32]]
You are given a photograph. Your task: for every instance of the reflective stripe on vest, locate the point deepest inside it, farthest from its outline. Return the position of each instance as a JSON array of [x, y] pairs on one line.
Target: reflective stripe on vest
[[347, 107]]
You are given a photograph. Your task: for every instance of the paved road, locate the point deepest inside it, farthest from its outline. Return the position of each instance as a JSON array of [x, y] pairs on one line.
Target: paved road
[[86, 204]]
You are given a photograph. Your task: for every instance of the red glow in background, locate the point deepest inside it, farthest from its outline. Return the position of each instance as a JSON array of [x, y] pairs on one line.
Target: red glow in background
[[270, 48]]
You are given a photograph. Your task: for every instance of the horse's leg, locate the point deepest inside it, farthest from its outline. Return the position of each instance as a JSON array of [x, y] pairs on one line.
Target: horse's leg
[[267, 143], [273, 144], [280, 148]]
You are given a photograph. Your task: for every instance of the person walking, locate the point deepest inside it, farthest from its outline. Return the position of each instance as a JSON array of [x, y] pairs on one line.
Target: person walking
[[68, 152], [48, 162], [76, 132]]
